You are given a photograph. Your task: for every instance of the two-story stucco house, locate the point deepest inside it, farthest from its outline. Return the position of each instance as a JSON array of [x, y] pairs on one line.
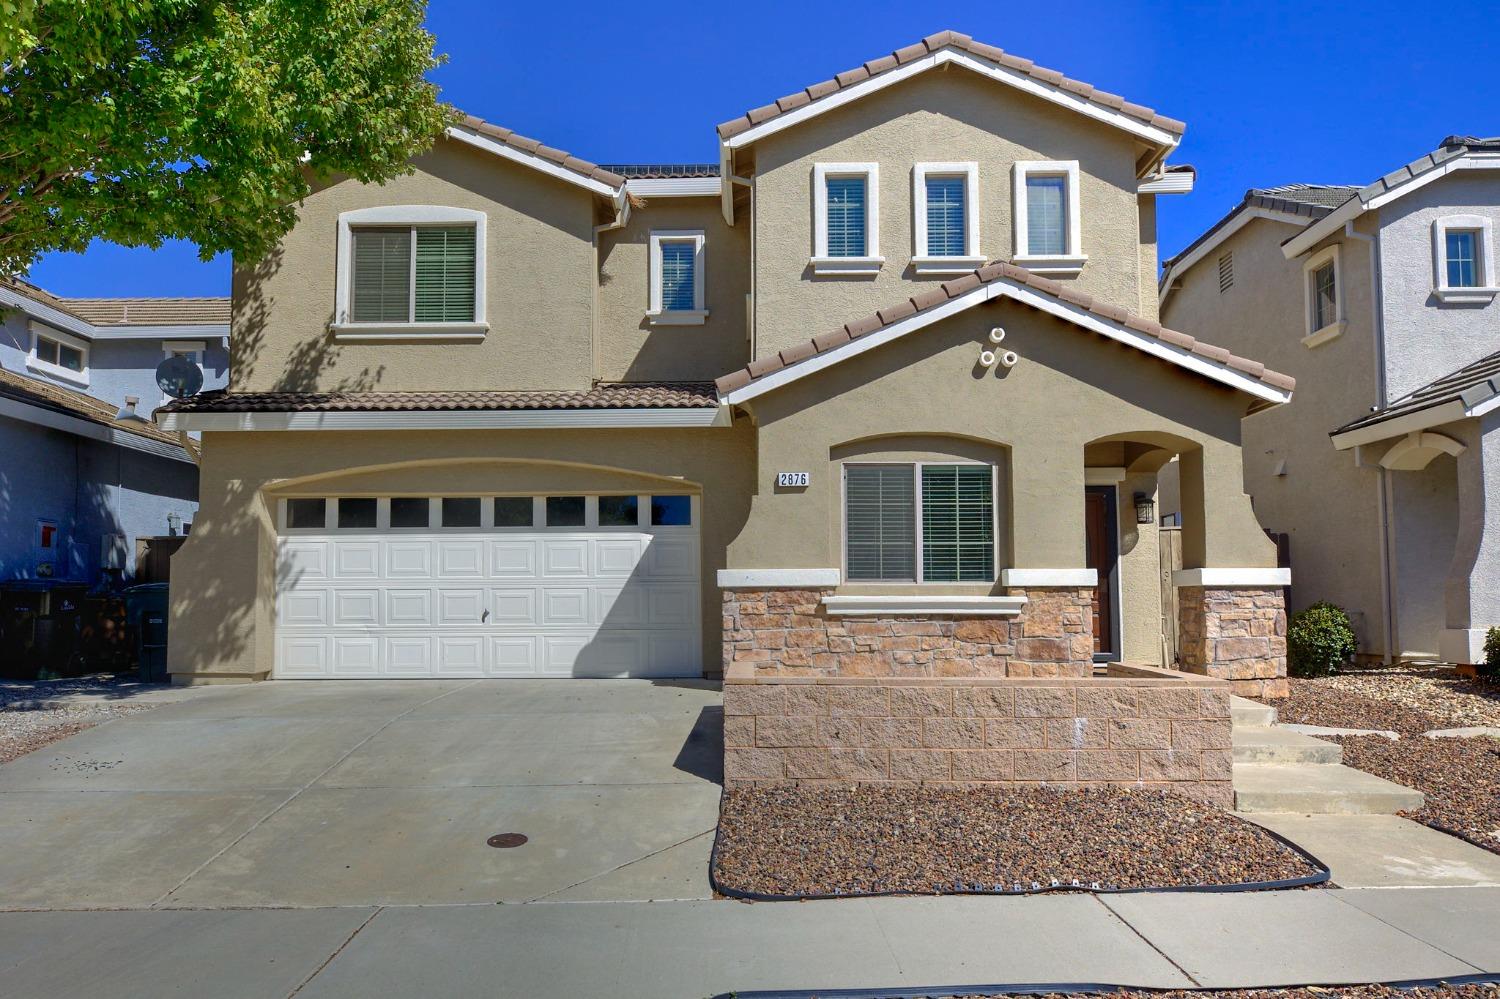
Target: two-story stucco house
[[92, 491], [896, 354], [1380, 300]]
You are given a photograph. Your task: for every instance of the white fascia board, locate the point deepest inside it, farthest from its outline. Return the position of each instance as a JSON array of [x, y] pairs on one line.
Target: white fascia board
[[79, 427], [536, 163], [771, 579], [44, 313], [905, 604], [675, 187], [984, 67], [1232, 577], [1241, 219], [181, 331], [1399, 426], [486, 419], [1049, 577], [1352, 209], [1003, 287]]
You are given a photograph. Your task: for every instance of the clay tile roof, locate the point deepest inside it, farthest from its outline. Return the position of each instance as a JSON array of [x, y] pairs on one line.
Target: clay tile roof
[[150, 311], [568, 161], [998, 271], [608, 395], [70, 403], [932, 43]]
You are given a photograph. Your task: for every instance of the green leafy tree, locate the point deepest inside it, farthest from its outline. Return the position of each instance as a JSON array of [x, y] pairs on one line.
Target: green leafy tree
[[137, 121]]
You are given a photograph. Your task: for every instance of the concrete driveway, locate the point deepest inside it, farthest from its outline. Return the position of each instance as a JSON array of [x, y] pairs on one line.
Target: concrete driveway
[[372, 793]]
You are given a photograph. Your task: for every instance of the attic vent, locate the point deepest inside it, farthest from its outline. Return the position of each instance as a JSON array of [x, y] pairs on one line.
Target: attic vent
[[1226, 272]]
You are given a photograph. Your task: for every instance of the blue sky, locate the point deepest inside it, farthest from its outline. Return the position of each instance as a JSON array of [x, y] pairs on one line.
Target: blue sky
[[1272, 92]]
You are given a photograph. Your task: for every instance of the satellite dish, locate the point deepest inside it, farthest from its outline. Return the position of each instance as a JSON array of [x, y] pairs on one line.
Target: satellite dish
[[179, 377]]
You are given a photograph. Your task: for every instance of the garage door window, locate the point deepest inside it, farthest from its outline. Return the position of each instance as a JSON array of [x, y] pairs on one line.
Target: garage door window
[[565, 511], [355, 514], [619, 511], [461, 511], [671, 511], [411, 511], [307, 513], [513, 511]]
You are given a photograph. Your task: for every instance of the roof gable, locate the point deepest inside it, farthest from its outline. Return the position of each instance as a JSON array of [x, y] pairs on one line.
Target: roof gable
[[943, 49], [1004, 280], [518, 148]]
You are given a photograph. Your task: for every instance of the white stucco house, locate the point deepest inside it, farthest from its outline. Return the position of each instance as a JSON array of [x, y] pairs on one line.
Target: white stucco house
[[1381, 301]]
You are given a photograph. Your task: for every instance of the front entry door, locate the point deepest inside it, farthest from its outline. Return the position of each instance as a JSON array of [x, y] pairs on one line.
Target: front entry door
[[1099, 524]]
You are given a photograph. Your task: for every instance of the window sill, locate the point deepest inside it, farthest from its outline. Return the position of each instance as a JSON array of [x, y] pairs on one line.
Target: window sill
[[1063, 264], [923, 266], [1466, 296], [419, 332], [58, 372], [846, 266], [678, 317], [1330, 332], [905, 604]]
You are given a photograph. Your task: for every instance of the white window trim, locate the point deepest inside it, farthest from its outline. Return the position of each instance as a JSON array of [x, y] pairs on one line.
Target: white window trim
[[916, 471], [821, 262], [57, 371], [194, 347], [486, 523], [924, 263], [1071, 261], [1487, 290], [677, 317], [1331, 331], [409, 215]]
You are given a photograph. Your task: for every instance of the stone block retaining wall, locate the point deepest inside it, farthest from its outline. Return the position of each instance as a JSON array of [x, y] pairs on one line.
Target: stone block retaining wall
[[1236, 634], [784, 632], [1139, 726]]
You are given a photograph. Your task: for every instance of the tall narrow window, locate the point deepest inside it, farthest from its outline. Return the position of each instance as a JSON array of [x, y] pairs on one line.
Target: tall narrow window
[[880, 515], [1325, 296], [1046, 215], [846, 217], [445, 275], [946, 223], [1463, 258], [676, 276], [676, 281], [958, 525]]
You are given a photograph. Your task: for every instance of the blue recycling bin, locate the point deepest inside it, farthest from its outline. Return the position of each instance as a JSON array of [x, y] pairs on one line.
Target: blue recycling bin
[[146, 612]]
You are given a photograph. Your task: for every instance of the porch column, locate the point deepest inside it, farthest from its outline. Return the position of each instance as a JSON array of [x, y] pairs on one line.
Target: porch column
[[1472, 592]]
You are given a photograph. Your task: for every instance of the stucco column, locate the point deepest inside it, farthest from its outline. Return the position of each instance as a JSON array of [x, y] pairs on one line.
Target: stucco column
[[1472, 592], [1219, 529]]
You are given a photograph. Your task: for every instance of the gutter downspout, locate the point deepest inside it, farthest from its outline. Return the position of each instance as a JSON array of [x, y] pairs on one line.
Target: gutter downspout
[[1383, 475]]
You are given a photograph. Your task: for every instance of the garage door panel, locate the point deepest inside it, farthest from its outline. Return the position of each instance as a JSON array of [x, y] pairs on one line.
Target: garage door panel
[[616, 557], [672, 606], [461, 607], [621, 606], [559, 653], [565, 558], [356, 608], [514, 655], [408, 655], [460, 655], [303, 561], [514, 606], [513, 558], [671, 654], [302, 655], [305, 608], [565, 606], [672, 556], [461, 559], [356, 655], [408, 559], [408, 607], [610, 654], [356, 559]]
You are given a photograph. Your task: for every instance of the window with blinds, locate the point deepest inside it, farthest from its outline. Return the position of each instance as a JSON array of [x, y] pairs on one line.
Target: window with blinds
[[880, 522], [846, 216], [413, 274], [1325, 297], [1046, 215], [958, 524], [678, 260], [945, 217]]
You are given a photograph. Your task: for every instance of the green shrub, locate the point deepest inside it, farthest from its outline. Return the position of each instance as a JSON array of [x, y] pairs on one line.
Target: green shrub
[[1319, 640], [1491, 664]]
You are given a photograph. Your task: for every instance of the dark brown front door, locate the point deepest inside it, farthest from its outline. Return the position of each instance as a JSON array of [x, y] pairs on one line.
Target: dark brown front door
[[1099, 526]]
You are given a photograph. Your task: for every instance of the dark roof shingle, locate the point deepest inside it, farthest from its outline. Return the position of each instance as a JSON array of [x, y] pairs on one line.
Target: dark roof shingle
[[1471, 384], [61, 400], [610, 395]]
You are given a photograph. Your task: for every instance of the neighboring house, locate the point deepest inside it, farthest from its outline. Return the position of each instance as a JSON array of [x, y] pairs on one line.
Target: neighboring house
[[1380, 300], [516, 414], [86, 490]]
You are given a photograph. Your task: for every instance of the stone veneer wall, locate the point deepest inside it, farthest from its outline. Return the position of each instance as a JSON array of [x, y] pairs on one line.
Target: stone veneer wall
[[789, 633], [1139, 726], [1236, 634]]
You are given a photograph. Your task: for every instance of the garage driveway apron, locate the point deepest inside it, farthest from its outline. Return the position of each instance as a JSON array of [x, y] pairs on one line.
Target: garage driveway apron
[[372, 793]]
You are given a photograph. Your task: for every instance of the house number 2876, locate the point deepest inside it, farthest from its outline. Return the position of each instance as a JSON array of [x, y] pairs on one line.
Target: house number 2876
[[791, 478]]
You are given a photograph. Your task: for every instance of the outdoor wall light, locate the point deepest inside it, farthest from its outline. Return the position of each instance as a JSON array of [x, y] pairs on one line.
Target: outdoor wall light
[[174, 524], [1145, 509]]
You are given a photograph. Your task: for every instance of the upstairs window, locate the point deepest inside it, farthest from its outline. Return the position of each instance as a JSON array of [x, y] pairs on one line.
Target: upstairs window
[[945, 213], [410, 270], [1463, 259], [1047, 217], [676, 293], [919, 523], [58, 355], [846, 236], [1324, 296]]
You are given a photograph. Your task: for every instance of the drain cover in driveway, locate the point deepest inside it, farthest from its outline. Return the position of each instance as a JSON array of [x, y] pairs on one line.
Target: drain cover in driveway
[[506, 840]]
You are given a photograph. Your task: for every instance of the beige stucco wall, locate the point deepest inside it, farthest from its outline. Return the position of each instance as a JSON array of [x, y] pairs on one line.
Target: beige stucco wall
[[540, 281], [1070, 388], [630, 347], [934, 117], [224, 586], [1328, 505]]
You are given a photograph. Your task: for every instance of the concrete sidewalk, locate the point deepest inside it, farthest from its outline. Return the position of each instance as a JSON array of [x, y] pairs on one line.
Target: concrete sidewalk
[[666, 950]]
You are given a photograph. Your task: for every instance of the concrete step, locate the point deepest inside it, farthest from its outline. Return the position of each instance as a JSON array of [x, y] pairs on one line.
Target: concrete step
[[1243, 711], [1329, 789], [1260, 744]]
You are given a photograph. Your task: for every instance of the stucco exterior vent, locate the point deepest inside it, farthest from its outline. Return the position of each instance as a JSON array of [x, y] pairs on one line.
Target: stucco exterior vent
[[1226, 271]]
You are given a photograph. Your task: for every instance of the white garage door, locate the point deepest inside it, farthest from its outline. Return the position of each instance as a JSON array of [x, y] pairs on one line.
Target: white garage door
[[534, 586]]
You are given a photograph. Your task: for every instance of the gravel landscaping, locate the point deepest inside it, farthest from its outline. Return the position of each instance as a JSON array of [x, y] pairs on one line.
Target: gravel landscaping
[[1459, 777], [25, 729], [1409, 699], [786, 840]]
